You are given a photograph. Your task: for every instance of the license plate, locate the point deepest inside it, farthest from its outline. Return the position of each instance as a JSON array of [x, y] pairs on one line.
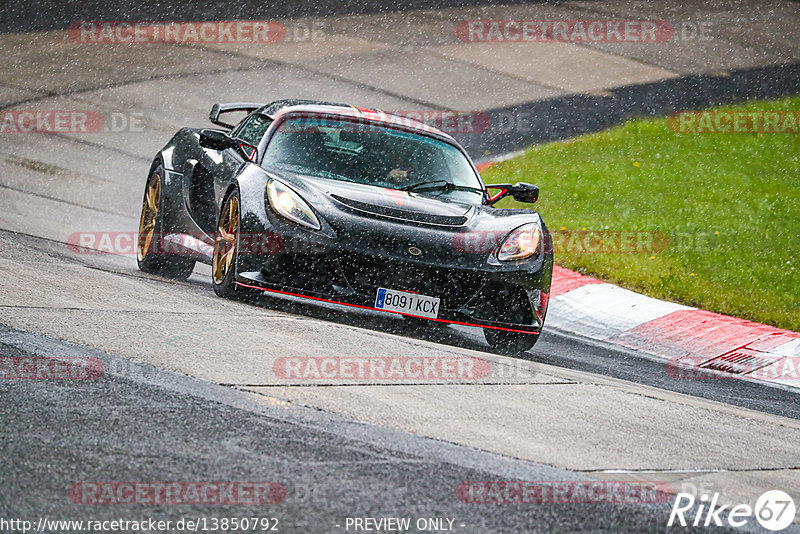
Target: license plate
[[407, 302]]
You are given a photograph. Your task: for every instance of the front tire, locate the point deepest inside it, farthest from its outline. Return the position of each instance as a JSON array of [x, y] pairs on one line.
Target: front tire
[[150, 254], [418, 323], [509, 342], [226, 247], [510, 307]]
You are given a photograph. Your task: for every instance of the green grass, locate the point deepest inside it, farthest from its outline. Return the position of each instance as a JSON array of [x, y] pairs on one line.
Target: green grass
[[729, 202]]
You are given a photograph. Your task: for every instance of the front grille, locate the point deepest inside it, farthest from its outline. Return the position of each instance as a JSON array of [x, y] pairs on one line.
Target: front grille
[[394, 213], [366, 274]]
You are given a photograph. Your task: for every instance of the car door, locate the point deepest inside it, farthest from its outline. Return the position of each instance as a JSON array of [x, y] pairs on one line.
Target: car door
[[209, 174], [248, 134], [200, 183]]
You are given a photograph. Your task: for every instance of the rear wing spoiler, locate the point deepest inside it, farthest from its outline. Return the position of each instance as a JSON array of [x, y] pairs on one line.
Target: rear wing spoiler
[[219, 109]]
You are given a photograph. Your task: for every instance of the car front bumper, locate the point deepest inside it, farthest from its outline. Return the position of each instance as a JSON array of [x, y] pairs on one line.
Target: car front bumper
[[511, 300]]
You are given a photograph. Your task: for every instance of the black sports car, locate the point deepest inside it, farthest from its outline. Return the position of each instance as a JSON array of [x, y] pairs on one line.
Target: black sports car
[[348, 205]]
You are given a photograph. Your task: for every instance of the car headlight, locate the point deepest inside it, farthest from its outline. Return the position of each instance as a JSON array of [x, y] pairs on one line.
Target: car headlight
[[289, 205], [521, 243]]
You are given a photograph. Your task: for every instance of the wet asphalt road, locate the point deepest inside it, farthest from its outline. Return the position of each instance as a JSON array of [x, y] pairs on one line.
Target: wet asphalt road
[[139, 424], [337, 458]]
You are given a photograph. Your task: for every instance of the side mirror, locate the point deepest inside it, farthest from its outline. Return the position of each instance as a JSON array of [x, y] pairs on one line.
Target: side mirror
[[521, 192], [216, 140]]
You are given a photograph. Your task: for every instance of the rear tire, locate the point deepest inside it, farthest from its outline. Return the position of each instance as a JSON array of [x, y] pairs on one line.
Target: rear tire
[[226, 248], [150, 255]]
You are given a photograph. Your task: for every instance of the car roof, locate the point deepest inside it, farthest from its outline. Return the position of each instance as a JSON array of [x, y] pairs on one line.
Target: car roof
[[282, 107]]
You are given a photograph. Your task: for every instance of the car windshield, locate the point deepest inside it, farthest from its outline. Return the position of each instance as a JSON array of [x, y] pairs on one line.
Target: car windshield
[[371, 154]]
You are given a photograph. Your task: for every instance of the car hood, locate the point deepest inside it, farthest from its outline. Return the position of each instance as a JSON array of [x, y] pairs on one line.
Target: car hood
[[392, 203], [389, 222]]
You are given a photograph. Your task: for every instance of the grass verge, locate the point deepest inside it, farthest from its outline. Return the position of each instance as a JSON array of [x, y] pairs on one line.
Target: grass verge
[[730, 204]]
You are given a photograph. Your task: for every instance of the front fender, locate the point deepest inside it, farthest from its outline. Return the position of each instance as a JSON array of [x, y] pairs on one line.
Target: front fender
[[262, 232], [251, 181]]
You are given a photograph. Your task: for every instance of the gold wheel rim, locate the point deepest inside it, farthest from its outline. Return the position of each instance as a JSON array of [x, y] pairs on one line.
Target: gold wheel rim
[[147, 220], [225, 243]]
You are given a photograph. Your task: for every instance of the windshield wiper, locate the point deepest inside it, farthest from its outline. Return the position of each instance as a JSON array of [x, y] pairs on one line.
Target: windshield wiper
[[434, 184], [442, 185]]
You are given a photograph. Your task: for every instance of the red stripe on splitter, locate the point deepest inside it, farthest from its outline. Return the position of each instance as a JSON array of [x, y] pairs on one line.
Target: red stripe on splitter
[[384, 311]]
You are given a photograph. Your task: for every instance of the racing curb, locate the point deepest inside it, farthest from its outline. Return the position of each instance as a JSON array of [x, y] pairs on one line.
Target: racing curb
[[696, 344]]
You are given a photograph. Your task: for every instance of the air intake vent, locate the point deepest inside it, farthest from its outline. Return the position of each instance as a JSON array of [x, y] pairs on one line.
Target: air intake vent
[[404, 215]]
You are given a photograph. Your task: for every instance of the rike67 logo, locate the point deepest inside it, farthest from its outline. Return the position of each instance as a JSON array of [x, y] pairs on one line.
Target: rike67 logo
[[774, 510]]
